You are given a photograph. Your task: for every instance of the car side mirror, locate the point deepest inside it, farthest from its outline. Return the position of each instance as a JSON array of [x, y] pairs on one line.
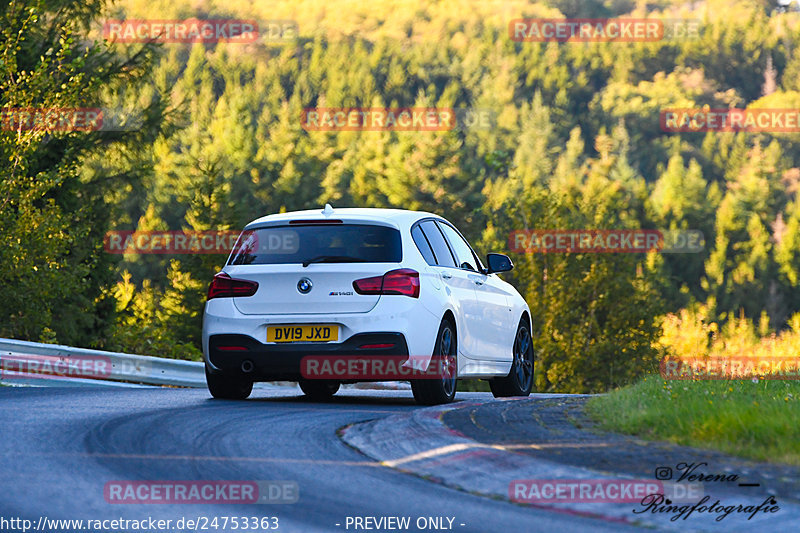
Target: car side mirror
[[498, 263]]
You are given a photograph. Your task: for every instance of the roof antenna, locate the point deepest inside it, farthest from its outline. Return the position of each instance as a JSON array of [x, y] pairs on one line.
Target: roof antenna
[[328, 211]]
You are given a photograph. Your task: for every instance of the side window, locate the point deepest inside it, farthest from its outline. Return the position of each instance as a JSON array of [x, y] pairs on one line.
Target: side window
[[422, 245], [439, 245], [460, 247]]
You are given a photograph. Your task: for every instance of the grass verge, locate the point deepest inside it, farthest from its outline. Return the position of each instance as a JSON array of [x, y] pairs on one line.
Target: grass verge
[[757, 420]]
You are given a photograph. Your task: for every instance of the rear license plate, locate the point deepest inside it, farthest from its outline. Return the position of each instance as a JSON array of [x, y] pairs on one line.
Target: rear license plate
[[304, 333]]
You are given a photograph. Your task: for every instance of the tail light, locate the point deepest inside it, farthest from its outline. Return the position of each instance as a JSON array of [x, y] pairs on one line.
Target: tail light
[[403, 281], [224, 286]]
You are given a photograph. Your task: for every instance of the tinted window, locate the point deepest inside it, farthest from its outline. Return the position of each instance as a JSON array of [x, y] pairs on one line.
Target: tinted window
[[439, 245], [460, 247], [341, 243], [422, 245]]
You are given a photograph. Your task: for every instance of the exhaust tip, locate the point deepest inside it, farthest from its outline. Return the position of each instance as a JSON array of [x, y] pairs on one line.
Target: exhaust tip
[[247, 366]]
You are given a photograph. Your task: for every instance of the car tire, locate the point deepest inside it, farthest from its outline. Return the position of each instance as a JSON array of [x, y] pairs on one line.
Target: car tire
[[519, 380], [225, 387], [319, 389], [437, 391]]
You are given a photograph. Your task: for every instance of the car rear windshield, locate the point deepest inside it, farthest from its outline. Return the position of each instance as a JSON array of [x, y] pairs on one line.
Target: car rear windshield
[[318, 243]]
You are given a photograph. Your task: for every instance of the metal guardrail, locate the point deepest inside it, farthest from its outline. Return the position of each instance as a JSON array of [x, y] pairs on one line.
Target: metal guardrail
[[20, 359]]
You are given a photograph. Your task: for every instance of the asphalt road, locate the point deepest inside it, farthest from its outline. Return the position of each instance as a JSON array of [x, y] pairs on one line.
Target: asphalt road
[[562, 424], [60, 447]]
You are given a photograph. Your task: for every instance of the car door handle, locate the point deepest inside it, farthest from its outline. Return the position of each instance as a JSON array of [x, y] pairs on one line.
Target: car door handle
[[445, 275]]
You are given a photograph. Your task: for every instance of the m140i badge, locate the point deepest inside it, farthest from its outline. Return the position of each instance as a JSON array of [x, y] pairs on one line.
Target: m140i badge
[[341, 293]]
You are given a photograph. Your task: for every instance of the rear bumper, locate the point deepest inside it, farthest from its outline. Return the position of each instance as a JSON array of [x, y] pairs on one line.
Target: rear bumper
[[273, 362]]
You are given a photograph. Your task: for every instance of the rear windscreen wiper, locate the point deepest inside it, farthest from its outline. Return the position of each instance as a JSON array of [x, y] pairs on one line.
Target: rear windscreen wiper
[[332, 259]]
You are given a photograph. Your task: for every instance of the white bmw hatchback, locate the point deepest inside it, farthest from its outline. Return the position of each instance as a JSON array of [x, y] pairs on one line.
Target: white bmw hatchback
[[373, 283]]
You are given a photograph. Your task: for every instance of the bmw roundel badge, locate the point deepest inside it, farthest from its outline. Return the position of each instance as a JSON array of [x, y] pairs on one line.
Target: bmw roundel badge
[[304, 285]]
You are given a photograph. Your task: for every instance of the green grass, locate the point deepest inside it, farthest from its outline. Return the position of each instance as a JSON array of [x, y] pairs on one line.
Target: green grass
[[754, 420]]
